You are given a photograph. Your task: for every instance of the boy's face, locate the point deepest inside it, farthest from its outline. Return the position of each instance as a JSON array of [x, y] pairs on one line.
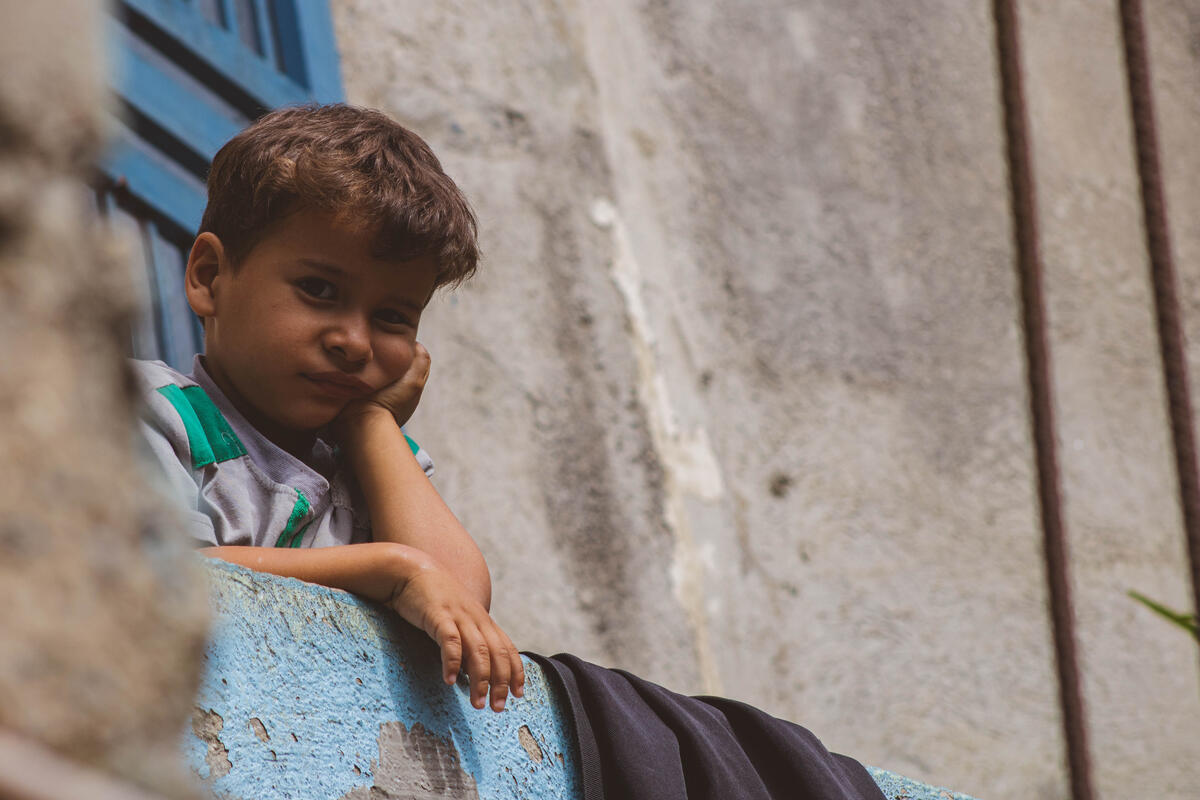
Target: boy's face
[[308, 321]]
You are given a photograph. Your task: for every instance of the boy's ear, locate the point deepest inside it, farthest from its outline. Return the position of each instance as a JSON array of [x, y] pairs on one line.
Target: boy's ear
[[206, 261]]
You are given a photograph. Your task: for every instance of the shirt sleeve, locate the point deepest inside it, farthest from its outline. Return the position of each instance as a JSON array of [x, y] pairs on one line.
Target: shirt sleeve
[[173, 479], [419, 453], [166, 462]]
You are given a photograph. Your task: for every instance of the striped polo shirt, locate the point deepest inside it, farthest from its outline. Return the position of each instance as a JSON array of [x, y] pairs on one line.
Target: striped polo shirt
[[235, 486]]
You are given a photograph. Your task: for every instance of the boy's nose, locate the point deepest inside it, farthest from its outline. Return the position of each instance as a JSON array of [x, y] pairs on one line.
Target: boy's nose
[[350, 341]]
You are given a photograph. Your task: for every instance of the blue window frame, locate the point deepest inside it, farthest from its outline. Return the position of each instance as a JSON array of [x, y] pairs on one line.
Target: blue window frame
[[186, 76]]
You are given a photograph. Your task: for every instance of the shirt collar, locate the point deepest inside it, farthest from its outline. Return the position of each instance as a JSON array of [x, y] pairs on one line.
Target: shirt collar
[[278, 464]]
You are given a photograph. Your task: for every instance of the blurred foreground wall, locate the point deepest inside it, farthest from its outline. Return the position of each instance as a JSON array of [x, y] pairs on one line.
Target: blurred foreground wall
[[738, 402], [101, 617]]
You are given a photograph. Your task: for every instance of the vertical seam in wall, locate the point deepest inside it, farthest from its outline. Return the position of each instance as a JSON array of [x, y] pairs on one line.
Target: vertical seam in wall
[[675, 453]]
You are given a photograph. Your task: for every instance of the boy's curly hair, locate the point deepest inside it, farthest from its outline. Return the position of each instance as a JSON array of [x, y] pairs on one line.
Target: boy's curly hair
[[345, 160]]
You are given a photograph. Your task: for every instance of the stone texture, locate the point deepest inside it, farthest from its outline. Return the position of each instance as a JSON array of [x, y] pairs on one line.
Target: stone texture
[[102, 622], [738, 399]]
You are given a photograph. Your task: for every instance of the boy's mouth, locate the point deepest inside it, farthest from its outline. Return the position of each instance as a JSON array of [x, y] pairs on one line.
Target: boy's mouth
[[339, 384]]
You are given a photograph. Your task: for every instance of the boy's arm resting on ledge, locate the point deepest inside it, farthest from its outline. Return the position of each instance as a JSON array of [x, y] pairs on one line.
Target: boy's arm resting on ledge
[[405, 507], [369, 570], [418, 588]]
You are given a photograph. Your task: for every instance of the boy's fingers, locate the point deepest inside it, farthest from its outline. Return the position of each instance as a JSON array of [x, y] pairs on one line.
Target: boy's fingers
[[518, 674], [447, 636], [421, 364], [501, 669], [512, 657], [479, 663], [485, 653]]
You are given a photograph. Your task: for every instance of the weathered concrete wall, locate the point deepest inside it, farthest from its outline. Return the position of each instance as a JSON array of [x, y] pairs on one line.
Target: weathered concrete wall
[[738, 401], [310, 693], [101, 622]]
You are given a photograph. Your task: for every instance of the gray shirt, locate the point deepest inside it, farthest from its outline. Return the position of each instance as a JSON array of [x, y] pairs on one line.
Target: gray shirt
[[236, 487]]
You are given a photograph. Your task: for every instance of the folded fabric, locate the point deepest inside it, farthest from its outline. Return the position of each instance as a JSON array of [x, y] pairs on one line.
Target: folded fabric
[[639, 741]]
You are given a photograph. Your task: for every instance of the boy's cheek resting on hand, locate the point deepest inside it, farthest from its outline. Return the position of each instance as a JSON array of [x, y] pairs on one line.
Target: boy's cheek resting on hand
[[399, 399]]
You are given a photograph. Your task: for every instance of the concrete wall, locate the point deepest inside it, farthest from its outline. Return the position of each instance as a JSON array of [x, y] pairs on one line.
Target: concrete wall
[[102, 618], [737, 401]]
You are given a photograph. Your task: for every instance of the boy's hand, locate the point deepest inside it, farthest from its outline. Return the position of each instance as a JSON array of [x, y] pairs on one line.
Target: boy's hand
[[399, 399], [435, 601]]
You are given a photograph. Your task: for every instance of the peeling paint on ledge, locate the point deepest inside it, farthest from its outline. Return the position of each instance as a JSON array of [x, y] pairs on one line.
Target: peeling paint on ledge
[[310, 693]]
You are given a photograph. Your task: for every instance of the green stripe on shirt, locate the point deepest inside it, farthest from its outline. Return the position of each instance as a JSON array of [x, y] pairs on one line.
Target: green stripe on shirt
[[202, 453], [291, 536], [224, 442], [210, 439]]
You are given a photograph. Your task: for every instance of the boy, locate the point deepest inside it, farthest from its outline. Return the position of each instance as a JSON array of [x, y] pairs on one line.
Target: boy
[[327, 230]]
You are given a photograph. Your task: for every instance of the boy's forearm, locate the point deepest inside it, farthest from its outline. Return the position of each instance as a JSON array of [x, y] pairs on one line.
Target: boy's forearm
[[374, 570], [406, 508], [416, 587]]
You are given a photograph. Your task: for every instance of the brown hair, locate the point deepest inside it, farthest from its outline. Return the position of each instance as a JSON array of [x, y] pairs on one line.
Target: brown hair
[[342, 159]]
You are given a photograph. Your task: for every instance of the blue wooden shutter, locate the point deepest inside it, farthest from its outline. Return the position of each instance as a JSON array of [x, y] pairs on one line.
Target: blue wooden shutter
[[186, 76]]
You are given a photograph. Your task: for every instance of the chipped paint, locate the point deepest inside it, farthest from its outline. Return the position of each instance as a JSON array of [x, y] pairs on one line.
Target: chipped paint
[[259, 729], [207, 726], [312, 693], [529, 743], [415, 765]]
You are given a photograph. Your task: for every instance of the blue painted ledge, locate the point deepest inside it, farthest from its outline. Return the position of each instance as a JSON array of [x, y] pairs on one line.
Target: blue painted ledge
[[311, 693]]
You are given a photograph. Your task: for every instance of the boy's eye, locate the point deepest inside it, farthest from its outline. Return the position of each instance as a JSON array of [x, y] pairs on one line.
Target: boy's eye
[[390, 316], [317, 288]]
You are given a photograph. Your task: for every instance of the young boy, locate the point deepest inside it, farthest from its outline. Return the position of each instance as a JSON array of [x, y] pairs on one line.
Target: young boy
[[327, 230]]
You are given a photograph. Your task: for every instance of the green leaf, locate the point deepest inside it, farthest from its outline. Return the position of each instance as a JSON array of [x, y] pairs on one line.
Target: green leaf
[[1185, 621]]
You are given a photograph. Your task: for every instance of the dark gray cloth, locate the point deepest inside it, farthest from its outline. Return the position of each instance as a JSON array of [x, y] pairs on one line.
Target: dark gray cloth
[[639, 741]]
